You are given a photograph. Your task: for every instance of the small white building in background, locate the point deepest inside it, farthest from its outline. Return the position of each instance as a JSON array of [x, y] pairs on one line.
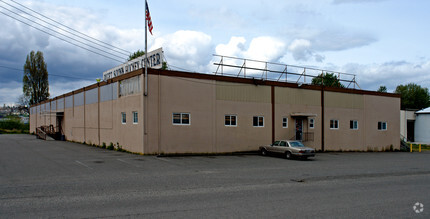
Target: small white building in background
[[422, 126]]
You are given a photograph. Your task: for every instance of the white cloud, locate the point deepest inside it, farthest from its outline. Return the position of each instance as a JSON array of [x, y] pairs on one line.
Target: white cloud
[[186, 49], [266, 49], [301, 50], [338, 39], [235, 47], [263, 48], [390, 74]]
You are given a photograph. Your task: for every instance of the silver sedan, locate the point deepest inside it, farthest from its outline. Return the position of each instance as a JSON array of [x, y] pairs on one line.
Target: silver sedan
[[288, 149]]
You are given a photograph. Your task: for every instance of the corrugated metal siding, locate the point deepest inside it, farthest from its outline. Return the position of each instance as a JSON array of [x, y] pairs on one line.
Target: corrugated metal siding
[[79, 99], [109, 92], [422, 128], [242, 92], [91, 96], [53, 105], [69, 101], [344, 100], [60, 103], [285, 95]]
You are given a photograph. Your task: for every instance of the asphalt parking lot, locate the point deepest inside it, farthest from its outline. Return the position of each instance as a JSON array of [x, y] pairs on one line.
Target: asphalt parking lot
[[63, 179]]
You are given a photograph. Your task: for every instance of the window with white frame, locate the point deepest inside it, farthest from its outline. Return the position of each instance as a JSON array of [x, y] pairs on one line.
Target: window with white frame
[[353, 124], [311, 123], [258, 121], [230, 120], [181, 118], [135, 117], [123, 118], [129, 86], [334, 124], [284, 122], [382, 126]]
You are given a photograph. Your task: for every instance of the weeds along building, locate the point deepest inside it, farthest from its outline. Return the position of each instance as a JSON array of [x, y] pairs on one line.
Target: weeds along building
[[186, 112]]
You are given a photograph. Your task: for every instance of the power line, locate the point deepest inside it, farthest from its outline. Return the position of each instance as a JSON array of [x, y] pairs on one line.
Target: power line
[[49, 74], [65, 30], [61, 33], [11, 68], [62, 38], [68, 27]]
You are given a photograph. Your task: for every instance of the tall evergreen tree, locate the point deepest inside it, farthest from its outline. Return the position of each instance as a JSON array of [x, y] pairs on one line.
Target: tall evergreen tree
[[35, 80]]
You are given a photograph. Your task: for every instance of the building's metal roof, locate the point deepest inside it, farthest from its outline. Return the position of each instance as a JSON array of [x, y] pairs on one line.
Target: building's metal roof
[[424, 111]]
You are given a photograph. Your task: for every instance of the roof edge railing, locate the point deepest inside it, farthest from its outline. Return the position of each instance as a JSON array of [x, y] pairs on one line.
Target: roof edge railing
[[249, 68]]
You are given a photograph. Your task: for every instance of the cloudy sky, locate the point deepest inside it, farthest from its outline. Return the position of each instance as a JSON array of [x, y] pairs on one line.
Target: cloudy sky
[[383, 42]]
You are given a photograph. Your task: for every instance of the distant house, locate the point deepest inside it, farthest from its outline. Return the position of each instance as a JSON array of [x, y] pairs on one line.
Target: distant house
[[422, 126], [25, 119]]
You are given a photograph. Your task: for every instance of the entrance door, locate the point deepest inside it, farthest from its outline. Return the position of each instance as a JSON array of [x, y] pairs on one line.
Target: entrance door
[[411, 130], [299, 129], [60, 124]]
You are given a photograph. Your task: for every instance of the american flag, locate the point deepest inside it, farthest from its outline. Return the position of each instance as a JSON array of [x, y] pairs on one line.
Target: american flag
[[148, 18]]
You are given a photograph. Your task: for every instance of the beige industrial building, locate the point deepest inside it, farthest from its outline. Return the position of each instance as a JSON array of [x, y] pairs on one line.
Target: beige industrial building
[[204, 113]]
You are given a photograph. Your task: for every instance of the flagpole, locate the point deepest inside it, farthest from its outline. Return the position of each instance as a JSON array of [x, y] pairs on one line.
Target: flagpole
[[145, 94], [146, 50]]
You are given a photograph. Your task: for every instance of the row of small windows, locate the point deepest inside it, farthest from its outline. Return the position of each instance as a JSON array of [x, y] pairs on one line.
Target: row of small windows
[[124, 117], [258, 121], [353, 125]]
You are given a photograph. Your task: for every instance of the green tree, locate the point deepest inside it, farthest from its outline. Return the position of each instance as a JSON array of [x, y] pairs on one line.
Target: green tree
[[382, 89], [136, 54], [413, 96], [139, 53], [328, 80], [35, 81], [164, 66]]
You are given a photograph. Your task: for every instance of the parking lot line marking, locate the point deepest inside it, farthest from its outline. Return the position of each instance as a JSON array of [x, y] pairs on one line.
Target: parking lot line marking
[[127, 162], [80, 163], [165, 160]]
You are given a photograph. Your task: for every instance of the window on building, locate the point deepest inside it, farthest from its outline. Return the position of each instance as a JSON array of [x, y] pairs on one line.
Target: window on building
[[123, 118], [230, 120], [382, 126], [258, 121], [129, 86], [311, 123], [135, 117], [334, 124], [353, 124], [181, 118], [285, 122]]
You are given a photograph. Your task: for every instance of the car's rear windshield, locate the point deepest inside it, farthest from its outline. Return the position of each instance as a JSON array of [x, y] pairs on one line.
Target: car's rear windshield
[[296, 144]]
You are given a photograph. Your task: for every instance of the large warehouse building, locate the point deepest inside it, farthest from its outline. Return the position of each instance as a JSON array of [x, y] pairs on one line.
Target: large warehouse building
[[187, 112]]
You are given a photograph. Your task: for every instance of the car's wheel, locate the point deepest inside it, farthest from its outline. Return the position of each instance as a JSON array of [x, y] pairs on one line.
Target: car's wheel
[[263, 152], [288, 155]]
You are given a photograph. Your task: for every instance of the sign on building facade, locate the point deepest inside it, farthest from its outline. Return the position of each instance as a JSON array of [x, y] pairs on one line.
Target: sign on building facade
[[155, 60]]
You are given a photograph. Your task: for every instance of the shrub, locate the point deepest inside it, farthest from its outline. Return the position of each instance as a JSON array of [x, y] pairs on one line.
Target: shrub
[[119, 147], [110, 147], [14, 125], [104, 145]]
